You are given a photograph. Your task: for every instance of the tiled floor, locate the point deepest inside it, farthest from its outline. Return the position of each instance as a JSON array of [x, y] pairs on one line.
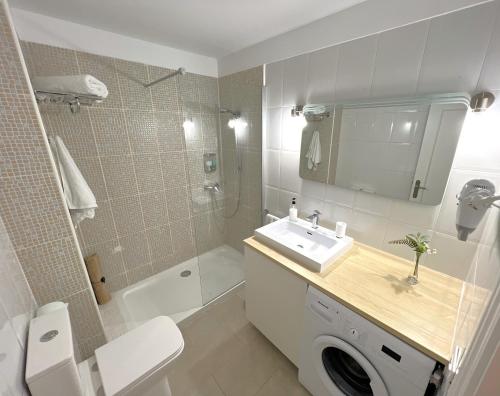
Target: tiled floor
[[227, 355]]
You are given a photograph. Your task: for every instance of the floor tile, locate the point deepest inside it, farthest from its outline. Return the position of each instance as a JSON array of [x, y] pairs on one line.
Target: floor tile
[[226, 355], [248, 367], [283, 383]]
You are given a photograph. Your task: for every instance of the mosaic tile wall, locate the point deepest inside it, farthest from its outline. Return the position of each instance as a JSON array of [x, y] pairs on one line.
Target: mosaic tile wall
[[146, 173], [30, 204], [242, 92]]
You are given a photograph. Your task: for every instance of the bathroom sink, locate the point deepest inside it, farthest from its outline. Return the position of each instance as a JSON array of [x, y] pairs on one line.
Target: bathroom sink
[[315, 249]]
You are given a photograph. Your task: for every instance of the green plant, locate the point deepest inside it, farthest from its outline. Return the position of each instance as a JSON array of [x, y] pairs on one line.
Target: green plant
[[419, 243]]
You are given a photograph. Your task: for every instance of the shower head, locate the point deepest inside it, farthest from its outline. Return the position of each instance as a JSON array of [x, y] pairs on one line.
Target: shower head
[[235, 114]]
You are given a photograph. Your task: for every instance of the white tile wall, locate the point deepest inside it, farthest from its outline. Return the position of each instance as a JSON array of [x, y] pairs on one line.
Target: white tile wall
[[313, 189], [272, 168], [290, 135], [375, 205], [294, 80], [271, 197], [340, 195], [453, 256], [451, 53], [355, 68], [273, 128], [473, 153], [274, 84], [289, 175], [398, 60], [455, 50], [369, 228], [321, 75], [490, 78]]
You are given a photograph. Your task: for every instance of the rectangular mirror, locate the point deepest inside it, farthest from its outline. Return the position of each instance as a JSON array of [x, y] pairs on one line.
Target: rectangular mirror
[[399, 148]]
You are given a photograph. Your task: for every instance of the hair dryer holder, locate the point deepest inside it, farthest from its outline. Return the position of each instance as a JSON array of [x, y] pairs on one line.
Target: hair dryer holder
[[476, 197]]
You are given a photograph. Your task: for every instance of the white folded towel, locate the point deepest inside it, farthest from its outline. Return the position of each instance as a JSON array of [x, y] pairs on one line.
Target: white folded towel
[[313, 155], [314, 109], [77, 84], [79, 197]]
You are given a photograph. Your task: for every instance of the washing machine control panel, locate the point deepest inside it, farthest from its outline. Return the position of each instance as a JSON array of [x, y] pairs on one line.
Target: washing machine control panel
[[327, 311], [336, 315]]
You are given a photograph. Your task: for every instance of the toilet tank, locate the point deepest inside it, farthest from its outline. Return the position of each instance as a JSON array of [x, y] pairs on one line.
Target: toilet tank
[[51, 368]]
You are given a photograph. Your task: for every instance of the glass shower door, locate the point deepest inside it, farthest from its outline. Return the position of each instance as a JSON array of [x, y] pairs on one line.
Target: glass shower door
[[224, 161]]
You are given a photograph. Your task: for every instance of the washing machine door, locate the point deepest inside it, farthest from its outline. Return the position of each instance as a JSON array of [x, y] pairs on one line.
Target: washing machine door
[[344, 370]]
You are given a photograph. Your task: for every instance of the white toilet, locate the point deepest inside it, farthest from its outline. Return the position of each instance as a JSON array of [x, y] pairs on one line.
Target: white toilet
[[133, 364]]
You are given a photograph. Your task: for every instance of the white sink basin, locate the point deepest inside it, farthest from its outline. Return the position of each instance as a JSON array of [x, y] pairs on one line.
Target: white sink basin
[[315, 249]]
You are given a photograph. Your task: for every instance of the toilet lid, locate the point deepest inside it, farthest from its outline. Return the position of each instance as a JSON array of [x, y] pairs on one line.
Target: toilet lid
[[132, 357]]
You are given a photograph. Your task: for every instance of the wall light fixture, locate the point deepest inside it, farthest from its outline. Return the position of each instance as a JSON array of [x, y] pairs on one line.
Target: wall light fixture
[[481, 101]]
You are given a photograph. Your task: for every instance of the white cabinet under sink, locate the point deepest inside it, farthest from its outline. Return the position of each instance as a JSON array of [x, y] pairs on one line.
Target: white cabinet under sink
[[275, 300]]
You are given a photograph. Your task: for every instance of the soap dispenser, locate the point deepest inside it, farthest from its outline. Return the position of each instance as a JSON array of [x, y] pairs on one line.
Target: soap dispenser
[[292, 213]]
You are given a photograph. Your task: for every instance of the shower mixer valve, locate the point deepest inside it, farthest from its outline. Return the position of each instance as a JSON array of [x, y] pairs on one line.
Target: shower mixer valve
[[212, 187]]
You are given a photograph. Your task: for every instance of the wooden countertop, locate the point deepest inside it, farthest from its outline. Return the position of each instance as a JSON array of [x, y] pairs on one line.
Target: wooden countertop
[[373, 284]]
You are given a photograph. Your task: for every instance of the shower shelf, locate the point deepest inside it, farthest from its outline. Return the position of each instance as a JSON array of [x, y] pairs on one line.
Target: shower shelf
[[74, 100]]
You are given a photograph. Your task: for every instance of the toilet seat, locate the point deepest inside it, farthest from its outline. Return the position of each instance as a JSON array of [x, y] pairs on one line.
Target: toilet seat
[[131, 358]]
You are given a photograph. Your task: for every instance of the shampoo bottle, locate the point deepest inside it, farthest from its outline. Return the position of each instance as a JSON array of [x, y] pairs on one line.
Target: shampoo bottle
[[292, 214]]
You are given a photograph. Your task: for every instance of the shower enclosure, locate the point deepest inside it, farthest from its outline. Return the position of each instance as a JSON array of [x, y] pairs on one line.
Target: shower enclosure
[[174, 161], [223, 157]]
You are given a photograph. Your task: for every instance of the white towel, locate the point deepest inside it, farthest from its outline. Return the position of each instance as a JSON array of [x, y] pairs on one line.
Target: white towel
[[314, 109], [314, 153], [77, 84], [79, 197]]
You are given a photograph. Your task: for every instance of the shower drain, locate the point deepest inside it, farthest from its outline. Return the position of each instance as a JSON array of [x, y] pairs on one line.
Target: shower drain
[[185, 274]]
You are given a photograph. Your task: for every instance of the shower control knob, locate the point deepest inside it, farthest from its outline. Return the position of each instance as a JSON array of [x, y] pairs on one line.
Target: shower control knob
[[354, 334]]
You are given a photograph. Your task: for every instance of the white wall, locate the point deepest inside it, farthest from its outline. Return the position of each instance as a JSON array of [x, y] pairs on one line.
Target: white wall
[[451, 53], [369, 17], [57, 32]]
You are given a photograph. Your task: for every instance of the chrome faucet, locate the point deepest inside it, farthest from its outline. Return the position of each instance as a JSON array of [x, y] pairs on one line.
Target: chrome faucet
[[314, 219]]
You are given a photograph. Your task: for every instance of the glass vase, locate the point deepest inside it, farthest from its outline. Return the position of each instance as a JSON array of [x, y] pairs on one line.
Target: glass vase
[[413, 278]]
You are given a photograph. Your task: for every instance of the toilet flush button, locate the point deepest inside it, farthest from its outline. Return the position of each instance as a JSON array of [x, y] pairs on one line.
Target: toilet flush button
[[354, 334], [49, 335]]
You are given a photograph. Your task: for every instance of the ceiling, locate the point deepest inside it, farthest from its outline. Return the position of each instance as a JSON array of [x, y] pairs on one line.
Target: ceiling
[[208, 27]]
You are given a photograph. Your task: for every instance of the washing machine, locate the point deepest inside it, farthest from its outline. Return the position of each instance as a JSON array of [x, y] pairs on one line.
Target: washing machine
[[342, 353]]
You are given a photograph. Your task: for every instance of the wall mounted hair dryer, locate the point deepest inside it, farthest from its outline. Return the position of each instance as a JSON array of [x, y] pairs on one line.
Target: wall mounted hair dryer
[[476, 197]]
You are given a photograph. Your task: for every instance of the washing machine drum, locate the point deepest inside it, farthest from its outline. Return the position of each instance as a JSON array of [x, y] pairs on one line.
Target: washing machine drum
[[344, 370]]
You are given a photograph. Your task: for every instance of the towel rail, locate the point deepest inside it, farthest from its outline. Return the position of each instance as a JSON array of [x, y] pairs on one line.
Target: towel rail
[[74, 100]]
